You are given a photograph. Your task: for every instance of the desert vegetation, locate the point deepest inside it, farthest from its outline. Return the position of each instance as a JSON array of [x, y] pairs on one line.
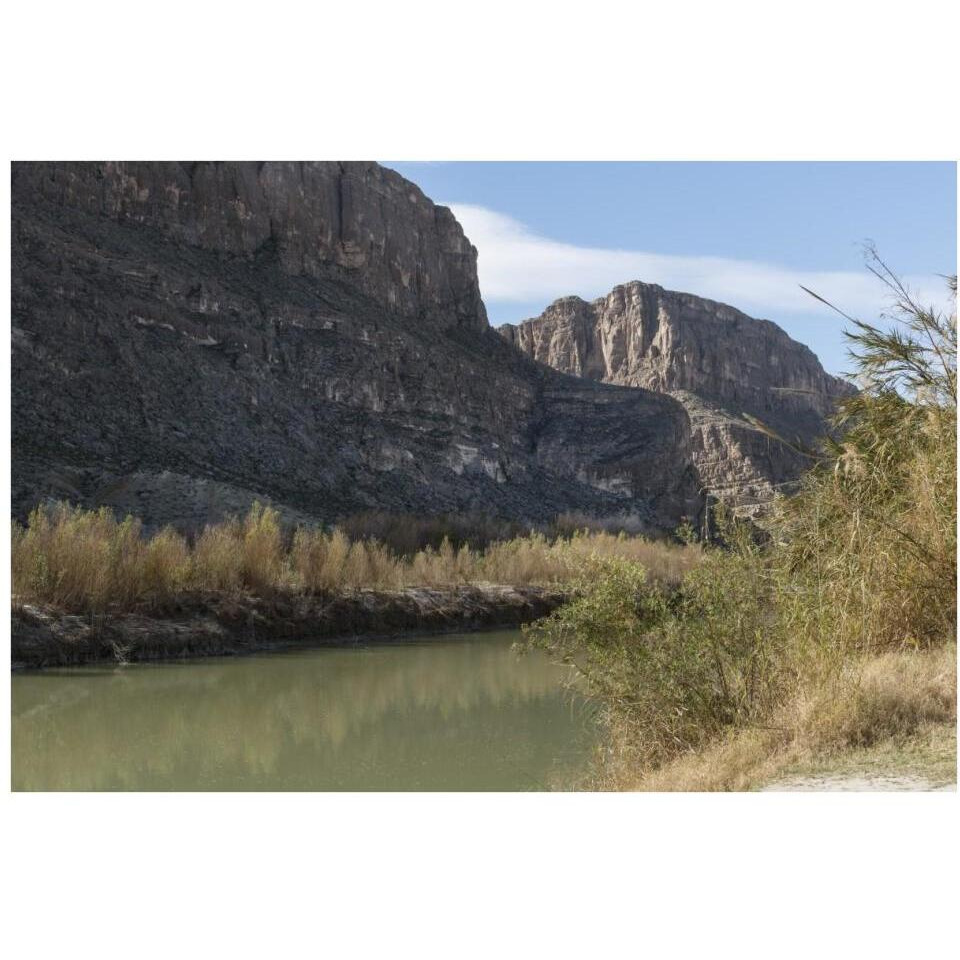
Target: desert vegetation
[[829, 624], [835, 629], [90, 562]]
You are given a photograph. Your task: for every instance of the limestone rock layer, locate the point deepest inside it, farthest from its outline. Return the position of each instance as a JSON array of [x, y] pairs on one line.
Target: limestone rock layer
[[190, 336], [726, 368]]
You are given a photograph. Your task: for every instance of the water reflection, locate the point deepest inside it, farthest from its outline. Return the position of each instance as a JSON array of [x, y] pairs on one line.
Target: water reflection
[[459, 713]]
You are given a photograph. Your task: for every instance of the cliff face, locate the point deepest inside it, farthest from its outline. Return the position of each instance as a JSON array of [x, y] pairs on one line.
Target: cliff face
[[718, 362], [396, 246], [187, 337]]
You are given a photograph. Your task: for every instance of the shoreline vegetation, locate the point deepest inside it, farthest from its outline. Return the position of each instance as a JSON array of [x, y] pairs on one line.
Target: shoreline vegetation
[[832, 632], [88, 587], [823, 628]]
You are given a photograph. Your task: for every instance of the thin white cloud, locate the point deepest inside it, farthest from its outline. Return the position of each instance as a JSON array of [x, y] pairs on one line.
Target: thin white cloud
[[518, 265]]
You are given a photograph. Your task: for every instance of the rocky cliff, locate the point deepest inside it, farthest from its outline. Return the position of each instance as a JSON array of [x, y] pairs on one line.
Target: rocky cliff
[[727, 369], [404, 252], [190, 336]]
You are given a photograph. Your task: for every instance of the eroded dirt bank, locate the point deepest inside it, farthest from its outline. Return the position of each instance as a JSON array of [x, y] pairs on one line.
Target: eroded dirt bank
[[215, 625]]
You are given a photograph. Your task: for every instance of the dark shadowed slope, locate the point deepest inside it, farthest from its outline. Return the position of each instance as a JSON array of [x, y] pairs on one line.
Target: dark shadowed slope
[[189, 336]]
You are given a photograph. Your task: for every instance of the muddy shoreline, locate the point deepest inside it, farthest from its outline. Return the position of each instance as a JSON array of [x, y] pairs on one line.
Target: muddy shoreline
[[216, 625]]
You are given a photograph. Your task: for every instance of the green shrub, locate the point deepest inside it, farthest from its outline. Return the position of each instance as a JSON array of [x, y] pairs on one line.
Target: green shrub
[[671, 666], [860, 563]]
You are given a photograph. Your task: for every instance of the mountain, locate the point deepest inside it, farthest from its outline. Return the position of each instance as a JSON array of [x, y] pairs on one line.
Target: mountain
[[188, 337], [727, 369]]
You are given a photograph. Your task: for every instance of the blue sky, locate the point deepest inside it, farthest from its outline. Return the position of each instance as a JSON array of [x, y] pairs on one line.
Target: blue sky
[[743, 233]]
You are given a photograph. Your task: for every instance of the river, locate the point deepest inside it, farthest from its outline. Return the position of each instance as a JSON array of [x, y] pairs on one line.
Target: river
[[450, 713]]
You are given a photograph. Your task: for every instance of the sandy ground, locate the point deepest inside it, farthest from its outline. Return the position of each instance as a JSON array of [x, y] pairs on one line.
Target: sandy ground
[[926, 762], [858, 784]]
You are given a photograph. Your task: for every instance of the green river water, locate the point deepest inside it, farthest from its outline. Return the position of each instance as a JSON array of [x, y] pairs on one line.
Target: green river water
[[451, 713]]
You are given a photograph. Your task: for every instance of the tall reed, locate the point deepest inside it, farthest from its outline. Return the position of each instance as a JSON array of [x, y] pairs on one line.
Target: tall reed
[[82, 560]]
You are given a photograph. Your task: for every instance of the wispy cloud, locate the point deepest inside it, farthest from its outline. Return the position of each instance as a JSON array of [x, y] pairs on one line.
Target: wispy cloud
[[518, 265]]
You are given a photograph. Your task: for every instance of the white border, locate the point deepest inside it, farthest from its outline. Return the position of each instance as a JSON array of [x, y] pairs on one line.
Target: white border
[[476, 875]]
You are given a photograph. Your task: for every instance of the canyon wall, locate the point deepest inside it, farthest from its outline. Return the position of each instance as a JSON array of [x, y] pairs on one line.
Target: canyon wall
[[727, 369], [190, 336]]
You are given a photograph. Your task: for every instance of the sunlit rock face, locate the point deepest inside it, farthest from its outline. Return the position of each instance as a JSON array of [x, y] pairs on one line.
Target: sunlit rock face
[[359, 220], [190, 336], [723, 366]]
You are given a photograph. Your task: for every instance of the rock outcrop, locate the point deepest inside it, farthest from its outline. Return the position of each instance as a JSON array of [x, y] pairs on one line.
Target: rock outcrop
[[190, 336], [727, 369]]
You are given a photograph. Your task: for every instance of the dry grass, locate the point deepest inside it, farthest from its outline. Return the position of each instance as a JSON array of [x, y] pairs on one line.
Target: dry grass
[[895, 701], [833, 636], [88, 561]]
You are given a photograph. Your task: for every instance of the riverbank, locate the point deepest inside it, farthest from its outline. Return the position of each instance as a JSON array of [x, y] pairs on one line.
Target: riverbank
[[890, 724], [228, 624], [924, 762], [831, 633]]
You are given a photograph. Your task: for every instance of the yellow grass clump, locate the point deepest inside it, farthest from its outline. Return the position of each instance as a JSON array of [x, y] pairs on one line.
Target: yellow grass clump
[[897, 698], [76, 559], [89, 561]]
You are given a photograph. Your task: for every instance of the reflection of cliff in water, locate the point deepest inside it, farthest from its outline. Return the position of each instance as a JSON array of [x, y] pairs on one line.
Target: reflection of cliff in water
[[463, 713]]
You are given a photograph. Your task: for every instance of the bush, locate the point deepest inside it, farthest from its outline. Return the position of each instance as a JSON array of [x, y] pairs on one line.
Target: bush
[[860, 563], [263, 565], [869, 545], [166, 565], [217, 561], [671, 667], [79, 559]]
